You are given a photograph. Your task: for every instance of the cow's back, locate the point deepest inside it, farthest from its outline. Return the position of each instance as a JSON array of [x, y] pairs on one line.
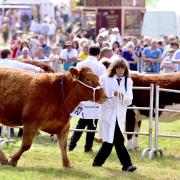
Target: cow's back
[[14, 87]]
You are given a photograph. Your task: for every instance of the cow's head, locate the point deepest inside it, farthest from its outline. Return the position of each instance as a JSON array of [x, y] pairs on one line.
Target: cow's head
[[87, 84]]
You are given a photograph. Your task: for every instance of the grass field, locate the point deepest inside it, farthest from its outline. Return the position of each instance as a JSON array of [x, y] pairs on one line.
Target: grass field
[[43, 160]]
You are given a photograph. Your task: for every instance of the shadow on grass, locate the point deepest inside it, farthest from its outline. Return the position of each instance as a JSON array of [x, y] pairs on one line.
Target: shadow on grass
[[69, 173], [74, 173]]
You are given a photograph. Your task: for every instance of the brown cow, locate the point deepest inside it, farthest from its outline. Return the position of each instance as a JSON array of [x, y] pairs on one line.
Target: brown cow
[[44, 101], [141, 98]]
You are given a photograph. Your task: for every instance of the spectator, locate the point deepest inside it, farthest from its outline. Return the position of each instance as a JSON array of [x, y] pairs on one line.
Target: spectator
[[24, 43], [39, 54], [115, 45], [25, 54], [167, 66], [44, 28], [68, 56], [176, 59], [151, 57], [43, 44], [85, 52], [130, 56], [115, 36], [54, 59], [35, 27], [5, 30], [106, 52]]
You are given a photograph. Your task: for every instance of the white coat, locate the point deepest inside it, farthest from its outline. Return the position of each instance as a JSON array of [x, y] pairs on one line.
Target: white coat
[[115, 107]]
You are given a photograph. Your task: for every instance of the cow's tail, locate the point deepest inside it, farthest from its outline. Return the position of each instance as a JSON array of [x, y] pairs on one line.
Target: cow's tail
[[3, 158]]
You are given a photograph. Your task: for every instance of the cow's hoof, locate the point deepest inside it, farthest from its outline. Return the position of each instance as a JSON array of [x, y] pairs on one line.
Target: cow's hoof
[[4, 162], [69, 166], [130, 150], [3, 158], [12, 163], [136, 148]]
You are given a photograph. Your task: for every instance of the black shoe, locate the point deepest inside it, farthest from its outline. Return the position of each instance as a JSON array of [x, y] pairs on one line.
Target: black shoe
[[88, 150], [130, 169], [70, 148], [96, 165]]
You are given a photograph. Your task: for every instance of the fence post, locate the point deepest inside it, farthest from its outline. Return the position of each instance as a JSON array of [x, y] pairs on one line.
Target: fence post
[[150, 122], [155, 149]]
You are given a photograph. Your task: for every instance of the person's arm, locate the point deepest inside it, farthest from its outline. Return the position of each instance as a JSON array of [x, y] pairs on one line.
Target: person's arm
[[134, 56], [74, 56], [62, 56], [146, 59], [127, 97], [144, 56], [176, 57], [176, 61]]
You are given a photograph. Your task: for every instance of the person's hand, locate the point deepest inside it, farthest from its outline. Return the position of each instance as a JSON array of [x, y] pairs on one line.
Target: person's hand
[[117, 93]]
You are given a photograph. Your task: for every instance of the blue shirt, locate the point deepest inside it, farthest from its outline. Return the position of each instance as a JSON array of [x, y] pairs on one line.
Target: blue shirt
[[128, 56], [154, 54]]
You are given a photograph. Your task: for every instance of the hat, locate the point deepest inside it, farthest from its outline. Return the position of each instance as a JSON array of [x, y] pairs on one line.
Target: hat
[[102, 30], [104, 33], [116, 29], [68, 43]]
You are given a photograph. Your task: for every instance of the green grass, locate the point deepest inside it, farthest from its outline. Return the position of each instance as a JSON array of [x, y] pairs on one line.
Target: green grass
[[43, 160]]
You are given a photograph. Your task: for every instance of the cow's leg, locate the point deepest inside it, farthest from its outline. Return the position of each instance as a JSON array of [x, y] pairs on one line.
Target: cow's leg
[[130, 126], [135, 138], [3, 158], [29, 131], [62, 139]]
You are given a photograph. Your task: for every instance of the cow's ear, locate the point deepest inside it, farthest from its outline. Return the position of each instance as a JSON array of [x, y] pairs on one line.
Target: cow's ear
[[74, 72]]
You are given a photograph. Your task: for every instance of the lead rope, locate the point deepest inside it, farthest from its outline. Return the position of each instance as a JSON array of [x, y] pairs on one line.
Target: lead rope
[[62, 82], [94, 96]]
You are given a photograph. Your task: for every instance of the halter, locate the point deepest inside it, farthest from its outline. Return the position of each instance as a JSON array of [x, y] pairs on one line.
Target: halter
[[90, 87]]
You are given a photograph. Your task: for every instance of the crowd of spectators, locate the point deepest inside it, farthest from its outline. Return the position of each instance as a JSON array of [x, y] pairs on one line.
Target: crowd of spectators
[[62, 43]]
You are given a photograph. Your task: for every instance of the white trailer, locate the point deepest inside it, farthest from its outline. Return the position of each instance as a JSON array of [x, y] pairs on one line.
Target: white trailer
[[157, 24]]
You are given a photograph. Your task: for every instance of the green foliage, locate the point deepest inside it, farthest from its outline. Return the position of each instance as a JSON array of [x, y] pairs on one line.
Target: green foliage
[[80, 2]]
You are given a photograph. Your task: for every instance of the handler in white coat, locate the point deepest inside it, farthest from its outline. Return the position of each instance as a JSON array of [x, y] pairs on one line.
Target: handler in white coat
[[118, 87]]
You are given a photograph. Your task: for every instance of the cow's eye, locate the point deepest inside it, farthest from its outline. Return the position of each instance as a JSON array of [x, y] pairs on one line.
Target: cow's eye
[[88, 79]]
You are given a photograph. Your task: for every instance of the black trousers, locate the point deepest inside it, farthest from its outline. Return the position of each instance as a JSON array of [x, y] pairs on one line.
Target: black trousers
[[11, 131], [121, 150], [82, 123]]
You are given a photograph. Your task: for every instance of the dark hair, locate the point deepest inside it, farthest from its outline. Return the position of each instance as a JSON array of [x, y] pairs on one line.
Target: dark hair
[[24, 42], [118, 62], [117, 43], [5, 52], [94, 50], [77, 44]]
